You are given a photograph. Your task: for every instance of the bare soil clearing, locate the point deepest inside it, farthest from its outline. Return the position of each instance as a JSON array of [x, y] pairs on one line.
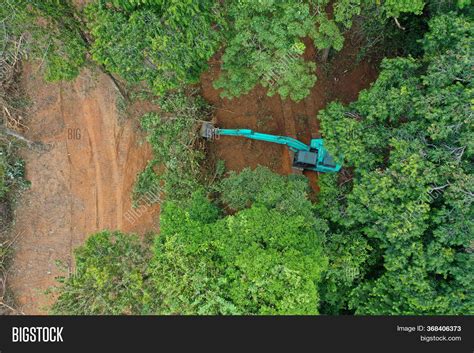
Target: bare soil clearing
[[341, 78], [81, 184]]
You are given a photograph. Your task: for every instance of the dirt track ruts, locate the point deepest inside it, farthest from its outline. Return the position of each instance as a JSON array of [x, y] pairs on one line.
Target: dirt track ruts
[[81, 185]]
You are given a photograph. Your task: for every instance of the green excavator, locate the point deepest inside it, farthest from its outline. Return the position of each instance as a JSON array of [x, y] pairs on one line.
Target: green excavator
[[313, 157]]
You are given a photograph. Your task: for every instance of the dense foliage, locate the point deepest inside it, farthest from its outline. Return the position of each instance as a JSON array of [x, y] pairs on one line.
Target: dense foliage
[[172, 136], [287, 195], [258, 261], [108, 277], [167, 44], [164, 43], [50, 31], [264, 45], [409, 140]]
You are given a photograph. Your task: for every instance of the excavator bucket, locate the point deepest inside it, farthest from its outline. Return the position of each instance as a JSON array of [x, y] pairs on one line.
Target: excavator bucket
[[207, 130]]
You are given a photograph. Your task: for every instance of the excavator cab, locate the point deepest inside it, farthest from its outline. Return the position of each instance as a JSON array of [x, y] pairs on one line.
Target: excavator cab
[[305, 159], [314, 157]]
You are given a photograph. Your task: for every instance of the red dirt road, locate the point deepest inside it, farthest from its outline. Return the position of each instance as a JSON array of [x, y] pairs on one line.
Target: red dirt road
[[81, 185]]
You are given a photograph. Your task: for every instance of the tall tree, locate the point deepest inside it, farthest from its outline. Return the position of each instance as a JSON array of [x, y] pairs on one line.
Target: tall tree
[[108, 278], [408, 140], [164, 43], [258, 261], [264, 43]]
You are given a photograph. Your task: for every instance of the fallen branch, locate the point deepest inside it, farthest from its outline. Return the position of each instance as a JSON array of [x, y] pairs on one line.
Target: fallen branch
[[439, 187], [398, 24], [353, 115], [18, 136]]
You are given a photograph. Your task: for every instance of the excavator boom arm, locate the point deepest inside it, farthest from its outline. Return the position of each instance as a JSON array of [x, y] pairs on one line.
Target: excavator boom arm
[[292, 143]]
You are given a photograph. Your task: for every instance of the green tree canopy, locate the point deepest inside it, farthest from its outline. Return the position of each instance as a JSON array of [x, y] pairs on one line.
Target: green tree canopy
[[50, 31], [408, 141], [164, 43], [261, 186], [264, 41], [108, 278], [264, 45], [257, 261]]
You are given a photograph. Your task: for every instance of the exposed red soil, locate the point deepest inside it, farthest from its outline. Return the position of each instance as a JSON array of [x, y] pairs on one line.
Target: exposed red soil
[[80, 185], [341, 78]]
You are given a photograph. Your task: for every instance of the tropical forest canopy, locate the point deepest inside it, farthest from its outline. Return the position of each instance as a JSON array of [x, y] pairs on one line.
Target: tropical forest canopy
[[392, 234]]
